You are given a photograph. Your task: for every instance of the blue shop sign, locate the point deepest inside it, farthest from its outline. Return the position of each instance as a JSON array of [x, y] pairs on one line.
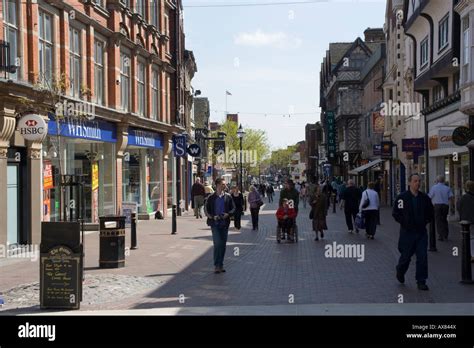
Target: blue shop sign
[[96, 130], [140, 137]]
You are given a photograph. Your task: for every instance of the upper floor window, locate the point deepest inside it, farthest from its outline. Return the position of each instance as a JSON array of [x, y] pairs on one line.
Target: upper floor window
[[125, 81], [438, 93], [10, 21], [465, 48], [140, 7], [99, 72], [155, 13], [443, 32], [45, 48], [456, 80], [155, 94], [100, 3], [424, 52], [141, 89], [75, 62]]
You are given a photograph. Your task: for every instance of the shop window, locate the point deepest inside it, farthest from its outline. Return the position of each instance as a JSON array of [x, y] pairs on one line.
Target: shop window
[[438, 93]]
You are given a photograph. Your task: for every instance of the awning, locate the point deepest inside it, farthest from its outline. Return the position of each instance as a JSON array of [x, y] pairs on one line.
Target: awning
[[358, 170]]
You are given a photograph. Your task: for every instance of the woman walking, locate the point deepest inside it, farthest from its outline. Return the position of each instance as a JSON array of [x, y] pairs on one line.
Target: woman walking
[[369, 206], [319, 211], [238, 199], [255, 202]]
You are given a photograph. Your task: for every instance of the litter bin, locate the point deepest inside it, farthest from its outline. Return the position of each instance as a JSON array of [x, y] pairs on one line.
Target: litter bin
[[112, 241]]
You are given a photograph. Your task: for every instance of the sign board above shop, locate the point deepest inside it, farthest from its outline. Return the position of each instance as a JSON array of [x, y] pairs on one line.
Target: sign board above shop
[[83, 129], [143, 138], [32, 127]]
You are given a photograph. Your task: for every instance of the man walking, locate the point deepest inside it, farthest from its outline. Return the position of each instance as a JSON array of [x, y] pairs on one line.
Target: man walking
[[350, 199], [270, 192], [290, 193], [413, 210], [441, 195], [219, 207], [198, 193]]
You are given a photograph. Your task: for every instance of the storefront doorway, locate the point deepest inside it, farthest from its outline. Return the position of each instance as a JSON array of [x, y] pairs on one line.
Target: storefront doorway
[[17, 221]]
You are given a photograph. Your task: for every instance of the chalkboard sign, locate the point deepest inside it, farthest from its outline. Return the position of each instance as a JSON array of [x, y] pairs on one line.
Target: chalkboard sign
[[60, 278]]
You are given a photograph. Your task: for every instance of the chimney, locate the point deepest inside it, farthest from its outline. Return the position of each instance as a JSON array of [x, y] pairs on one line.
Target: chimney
[[374, 35]]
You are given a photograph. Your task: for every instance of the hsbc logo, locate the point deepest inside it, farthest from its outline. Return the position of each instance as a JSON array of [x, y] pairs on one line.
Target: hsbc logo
[[32, 127], [31, 123]]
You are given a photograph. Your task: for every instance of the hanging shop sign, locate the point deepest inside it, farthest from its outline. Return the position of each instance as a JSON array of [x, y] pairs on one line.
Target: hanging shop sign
[[194, 150], [32, 127], [413, 145], [386, 148], [83, 129], [143, 138], [179, 145], [377, 149], [219, 146], [378, 122], [462, 136], [331, 132]]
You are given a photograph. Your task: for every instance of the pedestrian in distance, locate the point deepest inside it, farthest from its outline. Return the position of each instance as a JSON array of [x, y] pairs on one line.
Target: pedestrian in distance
[[319, 210], [218, 208], [255, 202], [441, 195], [238, 198], [369, 206], [350, 199], [304, 194], [198, 192], [466, 209], [270, 192], [413, 210]]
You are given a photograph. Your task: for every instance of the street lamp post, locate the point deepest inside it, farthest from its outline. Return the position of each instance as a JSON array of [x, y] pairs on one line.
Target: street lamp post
[[240, 135]]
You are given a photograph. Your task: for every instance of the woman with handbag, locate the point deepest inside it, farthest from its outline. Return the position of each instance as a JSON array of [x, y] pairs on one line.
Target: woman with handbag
[[369, 206], [255, 202], [318, 212]]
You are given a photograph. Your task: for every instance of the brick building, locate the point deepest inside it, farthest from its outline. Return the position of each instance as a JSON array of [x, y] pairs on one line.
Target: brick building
[[107, 78]]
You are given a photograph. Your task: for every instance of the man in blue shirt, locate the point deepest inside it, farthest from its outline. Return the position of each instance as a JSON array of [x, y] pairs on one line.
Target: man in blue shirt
[[441, 195], [219, 207]]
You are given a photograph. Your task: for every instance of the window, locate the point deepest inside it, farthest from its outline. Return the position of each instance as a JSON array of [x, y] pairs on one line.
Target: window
[[465, 43], [456, 81], [140, 7], [443, 32], [99, 72], [438, 93], [141, 89], [167, 32], [10, 16], [75, 62], [45, 48], [167, 96], [154, 13], [155, 94], [125, 81], [424, 52], [100, 3]]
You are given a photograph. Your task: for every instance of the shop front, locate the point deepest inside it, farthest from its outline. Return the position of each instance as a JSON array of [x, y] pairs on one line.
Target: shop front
[[84, 150], [142, 171]]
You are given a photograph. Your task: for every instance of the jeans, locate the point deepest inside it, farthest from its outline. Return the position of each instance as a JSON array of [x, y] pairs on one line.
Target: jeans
[[370, 221], [350, 216], [410, 243], [254, 213], [270, 197], [441, 217], [198, 204], [237, 218], [219, 237]]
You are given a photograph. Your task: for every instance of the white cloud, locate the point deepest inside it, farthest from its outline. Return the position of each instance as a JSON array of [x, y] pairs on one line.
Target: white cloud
[[260, 39]]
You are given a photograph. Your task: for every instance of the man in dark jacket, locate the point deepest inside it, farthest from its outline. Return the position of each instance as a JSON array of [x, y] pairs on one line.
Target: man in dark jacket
[[350, 198], [413, 210], [197, 196], [219, 207], [291, 194]]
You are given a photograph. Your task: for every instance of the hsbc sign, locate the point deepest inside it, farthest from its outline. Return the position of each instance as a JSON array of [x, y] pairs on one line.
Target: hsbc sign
[[32, 127]]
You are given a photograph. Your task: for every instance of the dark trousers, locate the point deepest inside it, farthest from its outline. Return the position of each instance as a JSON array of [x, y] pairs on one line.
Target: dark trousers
[[270, 197], [413, 243], [350, 216], [286, 224], [219, 237], [370, 221], [441, 218], [237, 218], [254, 213]]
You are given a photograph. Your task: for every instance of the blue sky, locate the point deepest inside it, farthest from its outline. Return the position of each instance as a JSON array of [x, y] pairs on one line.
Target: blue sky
[[269, 57]]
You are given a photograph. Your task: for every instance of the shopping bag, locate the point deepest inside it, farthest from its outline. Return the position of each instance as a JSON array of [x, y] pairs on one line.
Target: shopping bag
[[360, 221]]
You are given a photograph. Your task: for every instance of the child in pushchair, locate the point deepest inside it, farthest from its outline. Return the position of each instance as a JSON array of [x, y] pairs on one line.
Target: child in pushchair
[[286, 217]]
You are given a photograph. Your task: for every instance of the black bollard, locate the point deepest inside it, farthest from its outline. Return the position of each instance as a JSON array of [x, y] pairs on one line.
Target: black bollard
[[134, 232], [466, 270], [173, 219], [432, 237]]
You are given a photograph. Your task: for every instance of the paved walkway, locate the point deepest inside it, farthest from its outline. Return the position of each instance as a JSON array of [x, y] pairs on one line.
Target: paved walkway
[[176, 271]]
